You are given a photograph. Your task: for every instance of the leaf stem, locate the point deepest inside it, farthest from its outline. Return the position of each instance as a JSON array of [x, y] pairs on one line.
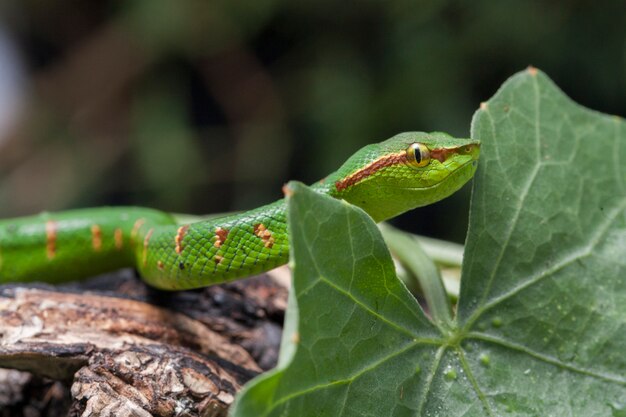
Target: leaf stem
[[409, 252]]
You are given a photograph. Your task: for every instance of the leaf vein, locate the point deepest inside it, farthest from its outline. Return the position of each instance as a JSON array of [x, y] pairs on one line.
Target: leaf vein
[[577, 255], [505, 244], [546, 358], [473, 381], [371, 311], [346, 381], [429, 380]]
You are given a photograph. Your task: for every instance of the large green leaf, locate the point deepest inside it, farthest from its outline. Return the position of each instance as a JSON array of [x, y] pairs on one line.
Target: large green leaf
[[360, 333], [541, 326], [544, 282]]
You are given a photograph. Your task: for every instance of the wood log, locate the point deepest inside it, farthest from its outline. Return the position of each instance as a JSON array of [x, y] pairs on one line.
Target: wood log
[[136, 351]]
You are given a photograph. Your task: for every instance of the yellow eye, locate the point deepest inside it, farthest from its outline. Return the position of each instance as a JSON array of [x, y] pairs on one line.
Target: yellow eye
[[418, 155]]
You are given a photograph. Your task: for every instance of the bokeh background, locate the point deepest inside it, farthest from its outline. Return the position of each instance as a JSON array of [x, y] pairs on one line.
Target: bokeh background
[[206, 106]]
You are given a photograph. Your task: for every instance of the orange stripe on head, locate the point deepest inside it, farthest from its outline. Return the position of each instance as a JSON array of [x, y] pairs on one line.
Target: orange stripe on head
[[51, 238], [180, 235], [442, 154], [371, 169], [96, 237]]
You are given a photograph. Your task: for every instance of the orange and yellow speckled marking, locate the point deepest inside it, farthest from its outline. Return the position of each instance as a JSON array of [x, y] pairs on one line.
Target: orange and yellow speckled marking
[[218, 259], [220, 237], [180, 234], [96, 237], [51, 238], [261, 231], [160, 265], [146, 240], [118, 235], [136, 227]]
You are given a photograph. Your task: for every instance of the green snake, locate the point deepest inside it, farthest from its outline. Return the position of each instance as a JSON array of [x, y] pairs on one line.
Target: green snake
[[384, 179]]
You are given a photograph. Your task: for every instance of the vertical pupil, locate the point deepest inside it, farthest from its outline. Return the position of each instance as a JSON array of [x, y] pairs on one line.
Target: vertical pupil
[[418, 153]]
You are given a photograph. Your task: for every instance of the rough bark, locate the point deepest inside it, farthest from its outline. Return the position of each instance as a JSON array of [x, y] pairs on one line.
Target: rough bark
[[135, 351]]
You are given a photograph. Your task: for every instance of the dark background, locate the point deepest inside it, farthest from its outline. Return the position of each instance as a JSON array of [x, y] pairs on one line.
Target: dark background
[[208, 106]]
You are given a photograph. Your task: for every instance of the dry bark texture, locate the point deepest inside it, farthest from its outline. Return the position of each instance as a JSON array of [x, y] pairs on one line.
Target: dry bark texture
[[147, 354]]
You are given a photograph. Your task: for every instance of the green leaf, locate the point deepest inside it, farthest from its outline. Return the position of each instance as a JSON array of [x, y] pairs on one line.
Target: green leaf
[[359, 329], [543, 292], [541, 326]]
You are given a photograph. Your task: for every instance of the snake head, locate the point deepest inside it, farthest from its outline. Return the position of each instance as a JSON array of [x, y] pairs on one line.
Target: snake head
[[409, 170]]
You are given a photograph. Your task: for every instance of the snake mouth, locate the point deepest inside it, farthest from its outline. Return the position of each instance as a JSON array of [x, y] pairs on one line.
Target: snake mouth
[[457, 172]]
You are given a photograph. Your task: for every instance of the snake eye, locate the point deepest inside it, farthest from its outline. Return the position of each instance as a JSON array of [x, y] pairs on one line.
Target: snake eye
[[418, 155]]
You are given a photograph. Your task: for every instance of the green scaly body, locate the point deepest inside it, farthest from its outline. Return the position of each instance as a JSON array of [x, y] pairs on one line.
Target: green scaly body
[[384, 179]]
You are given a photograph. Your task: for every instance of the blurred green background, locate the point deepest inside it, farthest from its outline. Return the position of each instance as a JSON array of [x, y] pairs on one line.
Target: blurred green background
[[209, 106]]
